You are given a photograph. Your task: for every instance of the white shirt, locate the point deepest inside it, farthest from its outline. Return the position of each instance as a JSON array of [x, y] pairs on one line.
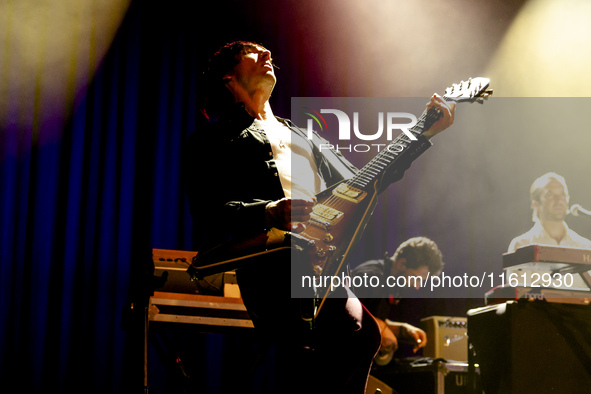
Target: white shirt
[[539, 236], [294, 159]]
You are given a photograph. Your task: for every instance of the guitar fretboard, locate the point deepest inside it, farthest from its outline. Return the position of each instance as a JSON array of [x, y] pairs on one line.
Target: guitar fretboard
[[393, 151]]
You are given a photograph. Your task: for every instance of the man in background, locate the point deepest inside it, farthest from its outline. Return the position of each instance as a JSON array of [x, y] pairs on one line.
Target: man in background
[[549, 201], [415, 258]]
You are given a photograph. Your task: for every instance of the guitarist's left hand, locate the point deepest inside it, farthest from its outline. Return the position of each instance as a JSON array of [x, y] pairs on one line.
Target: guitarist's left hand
[[447, 110]]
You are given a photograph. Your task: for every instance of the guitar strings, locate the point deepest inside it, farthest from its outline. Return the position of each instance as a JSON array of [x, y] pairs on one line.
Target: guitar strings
[[385, 158]]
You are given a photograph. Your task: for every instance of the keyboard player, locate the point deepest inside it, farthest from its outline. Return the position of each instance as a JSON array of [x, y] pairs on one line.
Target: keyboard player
[[549, 201]]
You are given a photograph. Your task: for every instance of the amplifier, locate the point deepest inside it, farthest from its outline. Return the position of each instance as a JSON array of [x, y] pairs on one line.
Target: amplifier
[[171, 266], [532, 347], [446, 337]]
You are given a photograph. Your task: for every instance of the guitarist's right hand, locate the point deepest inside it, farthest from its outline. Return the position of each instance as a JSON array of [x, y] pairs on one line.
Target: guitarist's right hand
[[288, 214]]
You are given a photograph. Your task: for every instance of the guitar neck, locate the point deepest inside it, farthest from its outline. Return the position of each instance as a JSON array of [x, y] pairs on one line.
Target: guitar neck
[[472, 90], [384, 160]]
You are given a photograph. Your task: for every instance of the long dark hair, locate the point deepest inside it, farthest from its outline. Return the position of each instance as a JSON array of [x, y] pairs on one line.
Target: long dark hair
[[215, 100]]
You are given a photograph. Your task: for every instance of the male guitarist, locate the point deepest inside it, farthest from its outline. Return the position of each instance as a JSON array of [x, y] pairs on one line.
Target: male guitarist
[[238, 174]]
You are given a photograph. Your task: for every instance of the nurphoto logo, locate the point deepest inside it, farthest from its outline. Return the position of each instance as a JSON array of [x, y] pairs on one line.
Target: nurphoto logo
[[345, 124]]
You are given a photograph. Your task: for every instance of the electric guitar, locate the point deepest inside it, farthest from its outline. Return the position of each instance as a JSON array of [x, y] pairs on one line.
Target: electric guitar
[[341, 212]]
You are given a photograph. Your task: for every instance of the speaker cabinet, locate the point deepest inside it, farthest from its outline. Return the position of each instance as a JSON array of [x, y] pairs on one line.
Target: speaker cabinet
[[532, 347]]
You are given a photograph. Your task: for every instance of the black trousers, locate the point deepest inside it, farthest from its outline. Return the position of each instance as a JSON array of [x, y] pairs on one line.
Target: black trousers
[[332, 354]]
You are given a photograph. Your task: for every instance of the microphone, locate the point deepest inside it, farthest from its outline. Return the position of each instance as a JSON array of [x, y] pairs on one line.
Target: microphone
[[578, 210]]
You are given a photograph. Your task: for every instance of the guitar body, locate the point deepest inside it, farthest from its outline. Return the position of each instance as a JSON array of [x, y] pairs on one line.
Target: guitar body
[[336, 223]]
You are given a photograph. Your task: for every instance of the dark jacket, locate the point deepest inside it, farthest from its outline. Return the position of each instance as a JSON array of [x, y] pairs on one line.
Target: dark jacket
[[230, 175]]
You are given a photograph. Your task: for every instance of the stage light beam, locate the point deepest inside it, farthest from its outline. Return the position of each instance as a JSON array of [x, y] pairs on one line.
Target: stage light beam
[[49, 52], [546, 52]]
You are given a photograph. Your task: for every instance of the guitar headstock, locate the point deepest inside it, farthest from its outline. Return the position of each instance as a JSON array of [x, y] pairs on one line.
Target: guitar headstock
[[472, 90]]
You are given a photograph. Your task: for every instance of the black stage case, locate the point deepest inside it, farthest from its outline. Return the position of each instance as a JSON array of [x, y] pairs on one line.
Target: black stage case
[[530, 346], [428, 376]]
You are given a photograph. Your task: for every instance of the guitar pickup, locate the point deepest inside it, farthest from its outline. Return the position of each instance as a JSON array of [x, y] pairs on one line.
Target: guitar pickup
[[349, 193], [325, 217]]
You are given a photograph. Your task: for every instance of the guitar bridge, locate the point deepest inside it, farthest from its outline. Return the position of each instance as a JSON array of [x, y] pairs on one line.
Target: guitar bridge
[[325, 217]]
